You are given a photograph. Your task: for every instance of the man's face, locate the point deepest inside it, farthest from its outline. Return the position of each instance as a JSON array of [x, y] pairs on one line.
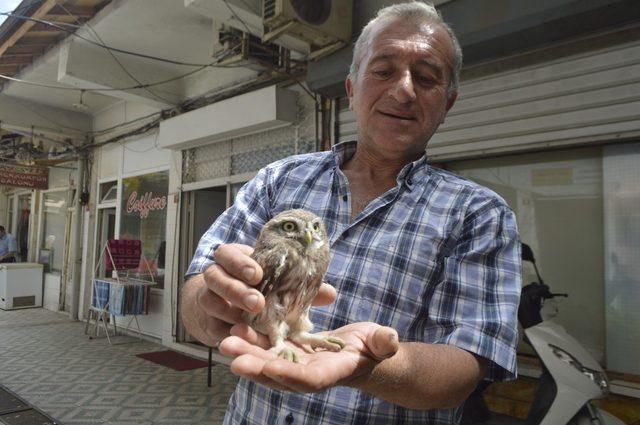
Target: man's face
[[400, 93], [2, 232]]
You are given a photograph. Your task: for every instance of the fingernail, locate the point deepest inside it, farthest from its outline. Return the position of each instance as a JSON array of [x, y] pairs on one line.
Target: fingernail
[[248, 272], [251, 301]]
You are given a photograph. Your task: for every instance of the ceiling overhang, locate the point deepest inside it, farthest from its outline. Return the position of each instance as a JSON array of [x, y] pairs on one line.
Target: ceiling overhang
[[87, 66]]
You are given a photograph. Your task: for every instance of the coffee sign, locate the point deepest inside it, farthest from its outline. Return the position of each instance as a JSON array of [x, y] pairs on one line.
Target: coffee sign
[[145, 195], [144, 204]]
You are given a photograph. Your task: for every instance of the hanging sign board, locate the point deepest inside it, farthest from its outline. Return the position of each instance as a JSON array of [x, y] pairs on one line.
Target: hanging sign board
[[31, 177]]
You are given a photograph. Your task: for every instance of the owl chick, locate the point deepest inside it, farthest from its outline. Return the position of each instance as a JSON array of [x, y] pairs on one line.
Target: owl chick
[[293, 251]]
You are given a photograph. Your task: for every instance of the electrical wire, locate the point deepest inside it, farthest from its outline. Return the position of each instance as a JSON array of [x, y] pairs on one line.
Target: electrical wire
[[101, 43], [233, 12], [95, 33], [201, 67], [106, 89], [88, 40]]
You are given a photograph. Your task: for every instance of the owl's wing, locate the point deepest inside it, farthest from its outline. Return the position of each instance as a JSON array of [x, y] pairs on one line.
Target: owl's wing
[[273, 261]]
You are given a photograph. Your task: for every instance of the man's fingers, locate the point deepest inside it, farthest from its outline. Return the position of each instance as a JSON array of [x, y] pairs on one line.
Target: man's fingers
[[383, 342], [305, 378], [234, 346], [233, 290], [214, 305], [247, 333], [326, 295], [213, 330], [250, 367], [236, 260]]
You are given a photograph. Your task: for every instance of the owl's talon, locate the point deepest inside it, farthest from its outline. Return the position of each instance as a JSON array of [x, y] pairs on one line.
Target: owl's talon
[[334, 343], [289, 354]]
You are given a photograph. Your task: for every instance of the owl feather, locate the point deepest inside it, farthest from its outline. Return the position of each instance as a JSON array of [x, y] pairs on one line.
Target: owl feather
[[293, 251]]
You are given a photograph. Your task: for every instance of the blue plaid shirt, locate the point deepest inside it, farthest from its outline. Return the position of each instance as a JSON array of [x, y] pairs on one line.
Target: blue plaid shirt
[[436, 257]]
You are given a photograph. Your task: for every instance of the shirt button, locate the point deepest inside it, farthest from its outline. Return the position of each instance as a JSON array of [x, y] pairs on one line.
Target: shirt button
[[345, 198], [289, 419], [409, 182]]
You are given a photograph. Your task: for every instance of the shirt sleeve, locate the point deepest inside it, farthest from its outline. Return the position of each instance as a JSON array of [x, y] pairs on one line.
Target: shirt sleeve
[[475, 305], [240, 223]]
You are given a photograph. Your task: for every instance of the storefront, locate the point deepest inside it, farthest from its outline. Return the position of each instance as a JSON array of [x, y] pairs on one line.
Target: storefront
[[42, 220], [133, 201]]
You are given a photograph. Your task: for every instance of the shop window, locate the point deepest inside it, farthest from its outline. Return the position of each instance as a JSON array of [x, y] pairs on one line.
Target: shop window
[[54, 222], [143, 216], [558, 201], [22, 228], [108, 191]]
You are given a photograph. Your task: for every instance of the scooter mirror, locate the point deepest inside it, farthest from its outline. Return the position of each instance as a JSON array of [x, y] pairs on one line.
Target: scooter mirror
[[527, 253]]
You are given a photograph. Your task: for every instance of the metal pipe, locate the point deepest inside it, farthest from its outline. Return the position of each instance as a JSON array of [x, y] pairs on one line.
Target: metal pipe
[[76, 250]]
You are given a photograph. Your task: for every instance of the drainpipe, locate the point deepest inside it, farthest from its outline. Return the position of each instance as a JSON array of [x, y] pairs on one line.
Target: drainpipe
[[76, 251]]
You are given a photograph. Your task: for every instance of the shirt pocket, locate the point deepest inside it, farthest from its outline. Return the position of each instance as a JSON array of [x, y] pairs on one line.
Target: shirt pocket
[[397, 279]]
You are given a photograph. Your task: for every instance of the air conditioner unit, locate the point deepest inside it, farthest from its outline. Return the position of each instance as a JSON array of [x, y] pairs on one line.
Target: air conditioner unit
[[324, 24]]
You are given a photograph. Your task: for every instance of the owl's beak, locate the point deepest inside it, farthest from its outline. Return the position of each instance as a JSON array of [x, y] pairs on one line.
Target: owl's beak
[[309, 238]]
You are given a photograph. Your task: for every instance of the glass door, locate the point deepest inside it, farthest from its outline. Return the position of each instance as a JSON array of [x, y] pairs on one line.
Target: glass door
[[200, 208], [106, 231], [22, 229]]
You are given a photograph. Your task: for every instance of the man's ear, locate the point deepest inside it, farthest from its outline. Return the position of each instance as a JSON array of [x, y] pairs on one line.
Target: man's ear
[[348, 85], [451, 100]]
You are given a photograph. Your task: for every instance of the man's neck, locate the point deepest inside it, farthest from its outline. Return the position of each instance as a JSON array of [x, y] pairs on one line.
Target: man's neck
[[370, 176], [376, 167]]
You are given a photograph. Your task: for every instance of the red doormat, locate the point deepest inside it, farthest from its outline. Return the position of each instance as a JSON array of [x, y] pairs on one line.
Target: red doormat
[[173, 359]]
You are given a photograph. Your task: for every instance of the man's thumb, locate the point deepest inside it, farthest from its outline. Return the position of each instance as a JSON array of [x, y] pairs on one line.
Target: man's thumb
[[383, 343]]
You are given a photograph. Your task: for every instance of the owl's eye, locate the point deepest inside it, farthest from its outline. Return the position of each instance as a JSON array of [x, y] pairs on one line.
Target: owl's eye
[[289, 226], [316, 226]]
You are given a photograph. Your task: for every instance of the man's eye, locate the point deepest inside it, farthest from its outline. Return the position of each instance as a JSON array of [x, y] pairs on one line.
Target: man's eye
[[382, 73], [424, 79], [288, 226]]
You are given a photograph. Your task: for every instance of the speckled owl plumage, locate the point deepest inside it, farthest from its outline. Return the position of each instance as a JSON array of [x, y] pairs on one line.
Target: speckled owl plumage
[[293, 251]]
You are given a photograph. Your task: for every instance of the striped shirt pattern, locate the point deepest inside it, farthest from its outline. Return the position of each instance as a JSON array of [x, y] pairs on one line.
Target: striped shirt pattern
[[436, 257]]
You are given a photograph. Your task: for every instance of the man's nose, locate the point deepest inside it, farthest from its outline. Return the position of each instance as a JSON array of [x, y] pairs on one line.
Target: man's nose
[[403, 90]]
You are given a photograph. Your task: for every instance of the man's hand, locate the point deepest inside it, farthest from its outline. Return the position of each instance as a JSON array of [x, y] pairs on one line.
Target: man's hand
[[212, 302], [367, 344]]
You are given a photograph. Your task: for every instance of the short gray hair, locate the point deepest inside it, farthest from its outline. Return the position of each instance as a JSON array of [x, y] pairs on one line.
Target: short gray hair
[[416, 13]]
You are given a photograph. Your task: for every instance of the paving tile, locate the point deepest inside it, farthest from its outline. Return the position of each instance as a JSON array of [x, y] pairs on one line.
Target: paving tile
[[47, 360]]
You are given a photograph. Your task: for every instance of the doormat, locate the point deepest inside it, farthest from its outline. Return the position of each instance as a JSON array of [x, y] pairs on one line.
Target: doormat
[[173, 359]]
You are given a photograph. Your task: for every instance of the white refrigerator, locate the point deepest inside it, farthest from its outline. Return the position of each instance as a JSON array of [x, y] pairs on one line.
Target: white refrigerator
[[20, 285]]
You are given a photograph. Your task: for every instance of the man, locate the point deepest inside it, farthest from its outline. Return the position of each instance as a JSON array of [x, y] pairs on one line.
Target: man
[[425, 264], [8, 247]]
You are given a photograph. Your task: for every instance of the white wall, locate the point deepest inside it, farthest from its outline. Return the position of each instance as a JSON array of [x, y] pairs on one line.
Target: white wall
[[51, 300], [144, 154]]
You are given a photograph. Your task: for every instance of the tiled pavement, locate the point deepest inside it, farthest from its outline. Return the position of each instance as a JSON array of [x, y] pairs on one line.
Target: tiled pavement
[[48, 361]]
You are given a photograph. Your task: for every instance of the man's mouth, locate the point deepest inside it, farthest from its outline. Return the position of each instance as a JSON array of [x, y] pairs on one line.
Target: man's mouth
[[398, 115]]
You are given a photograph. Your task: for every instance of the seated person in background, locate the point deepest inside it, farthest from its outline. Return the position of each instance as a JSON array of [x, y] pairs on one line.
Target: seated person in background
[[8, 247]]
